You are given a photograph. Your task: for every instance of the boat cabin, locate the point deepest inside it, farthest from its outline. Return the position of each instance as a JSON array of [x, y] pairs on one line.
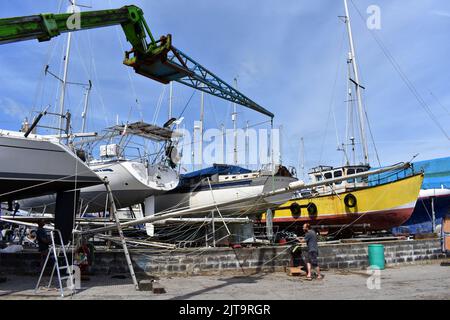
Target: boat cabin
[[321, 173]]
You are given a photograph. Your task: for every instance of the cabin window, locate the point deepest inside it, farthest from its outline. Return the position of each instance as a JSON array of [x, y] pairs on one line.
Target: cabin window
[[226, 178], [246, 176], [327, 175], [337, 174], [318, 178], [350, 171]]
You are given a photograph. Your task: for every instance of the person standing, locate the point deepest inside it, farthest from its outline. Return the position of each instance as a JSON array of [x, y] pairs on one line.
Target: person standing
[[313, 251], [43, 241], [16, 208]]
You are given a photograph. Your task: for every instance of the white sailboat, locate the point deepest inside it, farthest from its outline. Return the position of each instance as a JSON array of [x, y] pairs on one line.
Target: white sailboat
[[131, 180], [223, 183], [36, 164]]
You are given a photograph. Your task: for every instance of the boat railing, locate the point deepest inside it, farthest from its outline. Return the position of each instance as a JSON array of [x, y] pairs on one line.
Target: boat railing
[[387, 177]]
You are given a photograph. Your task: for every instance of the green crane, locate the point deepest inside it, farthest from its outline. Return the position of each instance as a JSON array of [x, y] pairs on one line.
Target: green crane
[[155, 59]]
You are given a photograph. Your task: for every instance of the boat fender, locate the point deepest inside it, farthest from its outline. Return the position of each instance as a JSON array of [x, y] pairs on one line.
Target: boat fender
[[295, 210], [350, 201], [312, 209]]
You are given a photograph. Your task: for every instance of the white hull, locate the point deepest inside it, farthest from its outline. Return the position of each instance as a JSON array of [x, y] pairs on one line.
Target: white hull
[[37, 165], [130, 183], [223, 193]]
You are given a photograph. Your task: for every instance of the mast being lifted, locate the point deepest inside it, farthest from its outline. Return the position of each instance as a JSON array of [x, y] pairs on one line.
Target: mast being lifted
[[155, 59]]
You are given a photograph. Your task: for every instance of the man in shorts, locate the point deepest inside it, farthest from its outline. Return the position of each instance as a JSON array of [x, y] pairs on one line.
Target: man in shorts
[[313, 251]]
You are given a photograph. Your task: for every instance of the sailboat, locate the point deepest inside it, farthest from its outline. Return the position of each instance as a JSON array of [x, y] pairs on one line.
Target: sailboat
[[34, 165], [131, 180], [222, 183], [353, 204]]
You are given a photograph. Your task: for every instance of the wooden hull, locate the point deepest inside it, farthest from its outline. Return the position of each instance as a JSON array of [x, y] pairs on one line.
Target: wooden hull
[[378, 207]]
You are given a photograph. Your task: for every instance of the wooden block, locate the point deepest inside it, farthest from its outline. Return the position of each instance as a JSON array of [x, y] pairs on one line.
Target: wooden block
[[447, 242], [446, 226], [146, 285], [294, 271], [158, 288]]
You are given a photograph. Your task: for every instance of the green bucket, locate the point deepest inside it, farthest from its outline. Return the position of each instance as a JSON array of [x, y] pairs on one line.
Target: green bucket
[[376, 256]]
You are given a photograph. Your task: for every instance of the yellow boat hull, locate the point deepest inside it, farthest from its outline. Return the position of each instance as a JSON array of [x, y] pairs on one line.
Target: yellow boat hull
[[377, 207]]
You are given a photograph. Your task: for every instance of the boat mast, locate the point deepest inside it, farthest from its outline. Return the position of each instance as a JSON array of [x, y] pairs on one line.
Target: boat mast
[[64, 80], [170, 99], [222, 146], [357, 85], [234, 119], [247, 146], [302, 158], [202, 114], [86, 103]]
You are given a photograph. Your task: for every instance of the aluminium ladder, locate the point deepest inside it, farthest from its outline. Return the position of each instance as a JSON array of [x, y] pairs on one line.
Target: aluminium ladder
[[56, 250]]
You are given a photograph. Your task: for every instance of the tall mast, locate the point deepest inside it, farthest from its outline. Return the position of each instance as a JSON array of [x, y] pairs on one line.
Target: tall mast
[[247, 146], [202, 115], [223, 149], [302, 157], [64, 80], [170, 99], [234, 118], [86, 104], [357, 86]]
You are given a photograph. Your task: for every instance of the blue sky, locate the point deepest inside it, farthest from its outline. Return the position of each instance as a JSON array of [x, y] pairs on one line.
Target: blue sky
[[287, 56]]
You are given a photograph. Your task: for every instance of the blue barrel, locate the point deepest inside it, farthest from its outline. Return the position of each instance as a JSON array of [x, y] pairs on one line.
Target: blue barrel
[[376, 256]]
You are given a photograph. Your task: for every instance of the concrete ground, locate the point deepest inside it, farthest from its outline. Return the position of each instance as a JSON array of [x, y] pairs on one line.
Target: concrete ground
[[424, 281]]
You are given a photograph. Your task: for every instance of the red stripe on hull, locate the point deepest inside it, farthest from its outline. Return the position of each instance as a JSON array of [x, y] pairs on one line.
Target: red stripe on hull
[[379, 220]]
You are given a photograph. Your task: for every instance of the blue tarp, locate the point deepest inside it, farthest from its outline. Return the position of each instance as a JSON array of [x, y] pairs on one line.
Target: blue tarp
[[437, 174], [216, 169]]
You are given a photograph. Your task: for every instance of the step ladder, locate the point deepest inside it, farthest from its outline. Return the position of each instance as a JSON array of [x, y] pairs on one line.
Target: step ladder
[[58, 250]]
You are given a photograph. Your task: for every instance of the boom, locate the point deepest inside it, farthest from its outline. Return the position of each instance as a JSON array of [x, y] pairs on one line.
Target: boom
[[154, 59]]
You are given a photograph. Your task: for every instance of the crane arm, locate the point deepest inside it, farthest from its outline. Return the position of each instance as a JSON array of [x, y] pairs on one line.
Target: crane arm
[[154, 59]]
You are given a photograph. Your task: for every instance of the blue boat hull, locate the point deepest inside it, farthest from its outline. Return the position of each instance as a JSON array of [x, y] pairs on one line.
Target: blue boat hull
[[421, 218]]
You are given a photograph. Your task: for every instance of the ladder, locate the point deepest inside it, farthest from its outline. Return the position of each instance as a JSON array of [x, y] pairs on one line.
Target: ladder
[[56, 249], [113, 212]]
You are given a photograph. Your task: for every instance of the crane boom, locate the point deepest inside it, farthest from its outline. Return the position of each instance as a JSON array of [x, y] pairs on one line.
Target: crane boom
[[154, 59]]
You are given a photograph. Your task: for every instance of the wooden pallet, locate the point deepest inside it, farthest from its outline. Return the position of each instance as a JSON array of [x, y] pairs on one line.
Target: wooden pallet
[[295, 271]]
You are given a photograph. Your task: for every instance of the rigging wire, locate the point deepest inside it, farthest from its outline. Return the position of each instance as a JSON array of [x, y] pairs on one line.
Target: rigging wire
[[403, 76], [439, 103], [331, 104]]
